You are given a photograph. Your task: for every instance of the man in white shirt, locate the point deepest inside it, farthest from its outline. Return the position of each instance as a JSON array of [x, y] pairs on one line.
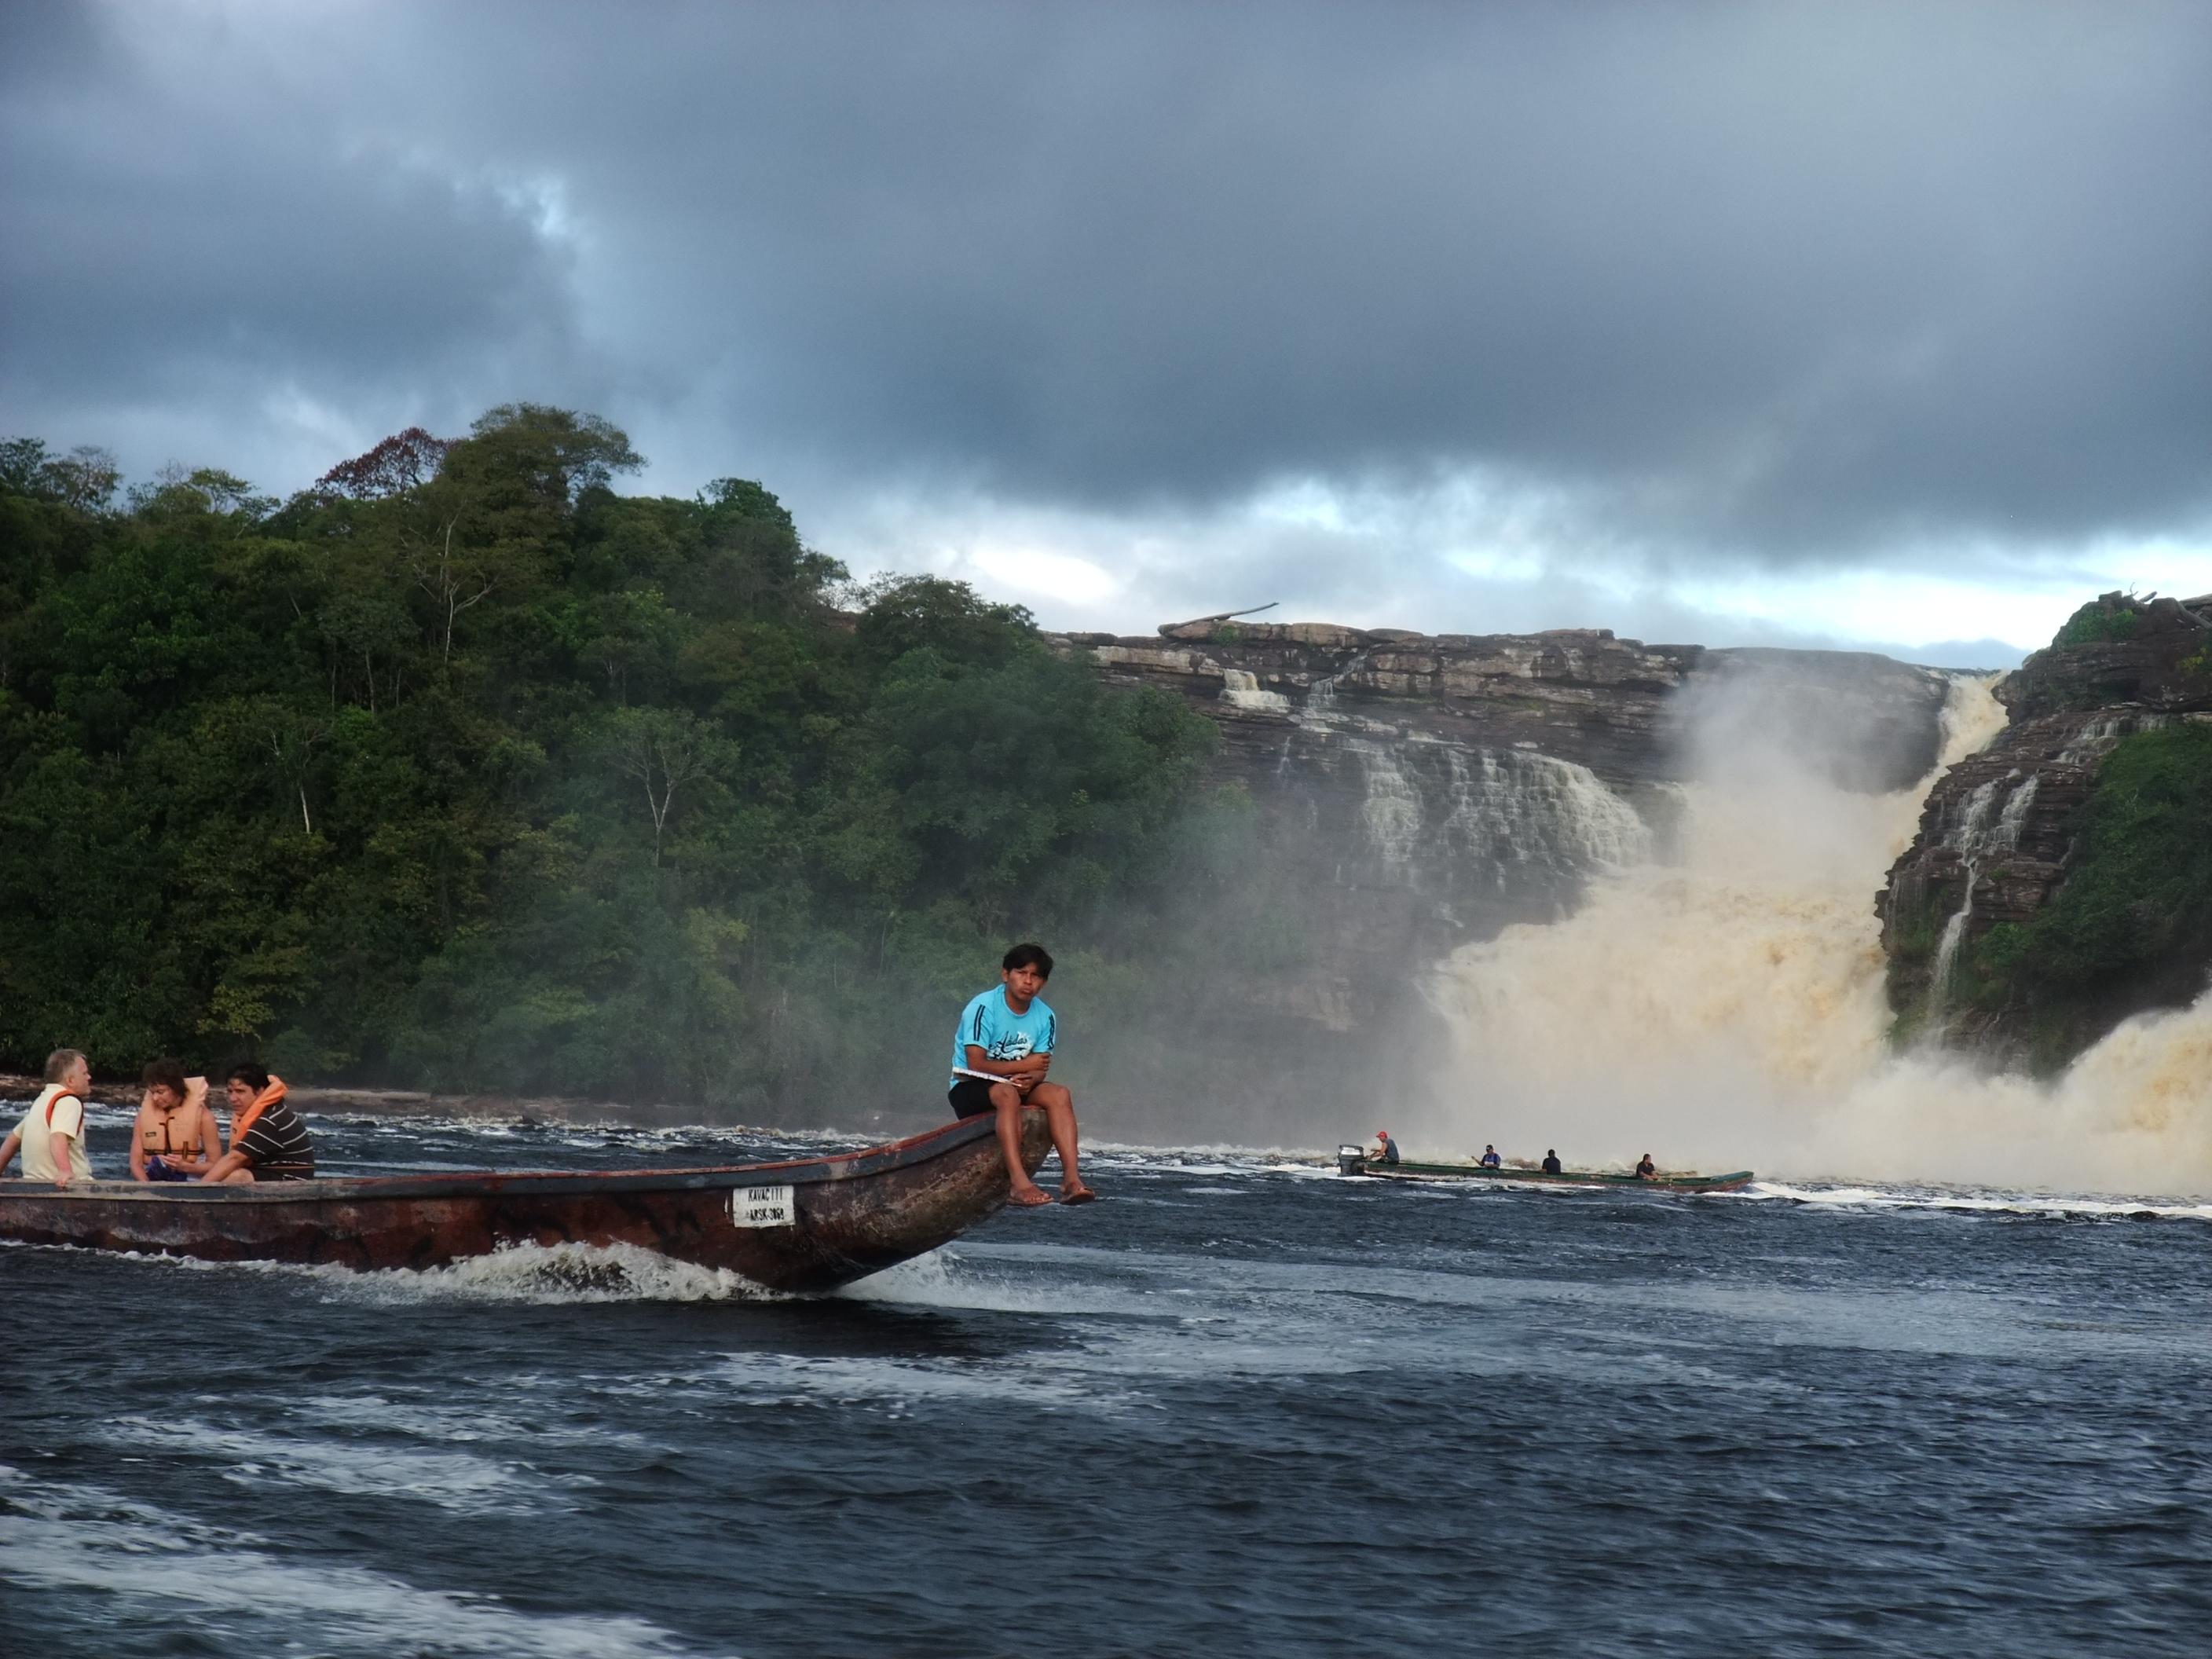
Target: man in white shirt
[[51, 1134]]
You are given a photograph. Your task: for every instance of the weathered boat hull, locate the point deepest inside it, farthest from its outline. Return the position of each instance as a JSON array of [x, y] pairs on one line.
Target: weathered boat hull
[[842, 1218], [1736, 1181]]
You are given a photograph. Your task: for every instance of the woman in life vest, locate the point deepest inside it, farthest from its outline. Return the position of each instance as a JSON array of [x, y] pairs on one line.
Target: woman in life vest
[[176, 1138]]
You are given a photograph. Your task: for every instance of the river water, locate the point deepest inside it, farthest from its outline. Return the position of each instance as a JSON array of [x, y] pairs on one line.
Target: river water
[[1242, 1406]]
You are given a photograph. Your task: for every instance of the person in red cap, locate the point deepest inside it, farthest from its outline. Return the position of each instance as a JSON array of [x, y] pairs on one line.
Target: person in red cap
[[1386, 1150]]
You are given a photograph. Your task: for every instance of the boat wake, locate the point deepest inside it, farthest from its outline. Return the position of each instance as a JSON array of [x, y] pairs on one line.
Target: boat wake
[[558, 1275], [551, 1275], [141, 1563]]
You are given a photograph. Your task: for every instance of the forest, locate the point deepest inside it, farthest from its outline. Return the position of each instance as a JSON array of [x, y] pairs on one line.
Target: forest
[[464, 770]]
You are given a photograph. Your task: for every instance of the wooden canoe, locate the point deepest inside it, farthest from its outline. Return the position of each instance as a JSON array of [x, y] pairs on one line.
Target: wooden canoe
[[1733, 1181], [802, 1224]]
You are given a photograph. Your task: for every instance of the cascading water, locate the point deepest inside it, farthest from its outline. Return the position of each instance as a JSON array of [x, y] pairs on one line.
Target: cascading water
[[1975, 838], [1726, 1007], [1527, 808], [1968, 839], [1517, 815], [1390, 814]]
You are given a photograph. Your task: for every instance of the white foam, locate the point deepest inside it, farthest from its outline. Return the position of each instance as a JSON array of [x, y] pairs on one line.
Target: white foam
[[549, 1275], [2053, 1204], [456, 1424], [458, 1480], [82, 1538], [946, 1279], [809, 1379], [555, 1275]]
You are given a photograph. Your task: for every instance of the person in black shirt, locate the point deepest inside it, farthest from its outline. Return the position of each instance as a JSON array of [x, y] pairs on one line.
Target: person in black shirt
[[1551, 1160], [1645, 1168], [267, 1141]]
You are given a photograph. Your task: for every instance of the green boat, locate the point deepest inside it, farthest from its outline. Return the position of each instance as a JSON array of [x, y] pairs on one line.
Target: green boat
[[1354, 1161]]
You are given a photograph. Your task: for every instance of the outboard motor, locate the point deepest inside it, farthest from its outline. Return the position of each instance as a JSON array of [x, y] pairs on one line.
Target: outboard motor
[[1351, 1160]]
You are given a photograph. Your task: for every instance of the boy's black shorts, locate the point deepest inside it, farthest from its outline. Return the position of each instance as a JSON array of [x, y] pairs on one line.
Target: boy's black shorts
[[970, 1097]]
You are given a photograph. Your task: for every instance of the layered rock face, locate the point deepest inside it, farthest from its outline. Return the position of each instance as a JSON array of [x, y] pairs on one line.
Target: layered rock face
[[1427, 791], [2000, 829]]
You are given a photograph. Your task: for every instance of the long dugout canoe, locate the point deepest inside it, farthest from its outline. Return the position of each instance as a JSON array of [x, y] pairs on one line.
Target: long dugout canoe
[[1734, 1181], [800, 1224]]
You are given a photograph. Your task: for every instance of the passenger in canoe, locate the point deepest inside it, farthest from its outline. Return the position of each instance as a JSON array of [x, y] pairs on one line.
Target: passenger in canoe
[[51, 1134], [267, 1142], [176, 1138], [1645, 1168], [1008, 1034], [1490, 1160], [1551, 1160]]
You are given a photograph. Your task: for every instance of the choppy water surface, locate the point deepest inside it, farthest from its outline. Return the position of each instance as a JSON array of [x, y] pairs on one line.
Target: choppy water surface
[[1242, 1408]]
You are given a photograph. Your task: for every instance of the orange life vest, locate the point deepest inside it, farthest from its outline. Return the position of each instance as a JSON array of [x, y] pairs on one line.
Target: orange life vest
[[262, 1102]]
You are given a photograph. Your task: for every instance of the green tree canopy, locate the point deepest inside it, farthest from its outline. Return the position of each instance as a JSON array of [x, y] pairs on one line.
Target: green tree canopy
[[462, 770]]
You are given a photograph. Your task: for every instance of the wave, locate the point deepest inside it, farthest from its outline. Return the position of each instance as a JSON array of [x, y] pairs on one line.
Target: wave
[[146, 1563], [900, 1385], [558, 1274], [2043, 1205], [540, 1274], [458, 1480]]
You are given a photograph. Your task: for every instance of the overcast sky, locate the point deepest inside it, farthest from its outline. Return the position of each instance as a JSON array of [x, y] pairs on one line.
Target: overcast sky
[[1823, 324]]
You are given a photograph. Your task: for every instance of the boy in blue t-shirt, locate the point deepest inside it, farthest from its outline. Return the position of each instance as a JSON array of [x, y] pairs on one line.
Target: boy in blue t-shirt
[[1001, 1054]]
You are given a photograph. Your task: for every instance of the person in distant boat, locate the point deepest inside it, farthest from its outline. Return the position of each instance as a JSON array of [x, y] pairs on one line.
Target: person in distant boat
[[1551, 1160], [267, 1142], [1001, 1051], [1490, 1160], [1386, 1150], [51, 1134], [1645, 1168], [176, 1138]]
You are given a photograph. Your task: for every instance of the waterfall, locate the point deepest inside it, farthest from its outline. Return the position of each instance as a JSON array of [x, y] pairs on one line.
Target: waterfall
[[1968, 839], [1437, 814], [1320, 712], [1241, 689], [1725, 1006], [1391, 813], [1525, 808], [1975, 838]]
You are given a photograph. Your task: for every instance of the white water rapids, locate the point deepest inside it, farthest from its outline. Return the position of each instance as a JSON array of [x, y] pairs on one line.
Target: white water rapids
[[1725, 1008]]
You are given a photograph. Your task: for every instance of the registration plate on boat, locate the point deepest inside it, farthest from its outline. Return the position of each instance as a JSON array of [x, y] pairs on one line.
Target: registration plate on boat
[[763, 1207]]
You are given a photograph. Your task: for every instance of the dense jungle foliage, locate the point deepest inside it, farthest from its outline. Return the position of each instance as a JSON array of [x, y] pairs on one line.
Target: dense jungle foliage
[[2131, 925], [462, 770]]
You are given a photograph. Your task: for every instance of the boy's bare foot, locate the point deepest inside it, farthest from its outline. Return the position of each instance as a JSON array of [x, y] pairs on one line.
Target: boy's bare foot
[[1076, 1193], [1028, 1198]]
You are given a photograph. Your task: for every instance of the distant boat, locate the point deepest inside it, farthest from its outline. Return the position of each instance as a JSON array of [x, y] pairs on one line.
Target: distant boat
[[1354, 1161], [800, 1224]]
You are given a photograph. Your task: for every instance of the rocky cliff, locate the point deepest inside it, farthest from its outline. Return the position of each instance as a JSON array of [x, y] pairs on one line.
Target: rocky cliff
[[2005, 832], [1420, 792]]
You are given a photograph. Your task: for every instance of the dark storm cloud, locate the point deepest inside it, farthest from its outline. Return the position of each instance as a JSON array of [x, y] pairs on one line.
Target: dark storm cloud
[[169, 236], [1803, 283]]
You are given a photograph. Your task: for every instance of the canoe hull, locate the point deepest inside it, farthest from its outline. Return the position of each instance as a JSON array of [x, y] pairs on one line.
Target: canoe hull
[[846, 1216], [1736, 1181]]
